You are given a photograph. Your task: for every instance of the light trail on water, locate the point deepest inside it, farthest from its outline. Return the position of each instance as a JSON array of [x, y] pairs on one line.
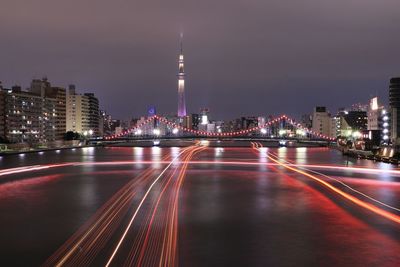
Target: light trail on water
[[381, 212], [153, 244]]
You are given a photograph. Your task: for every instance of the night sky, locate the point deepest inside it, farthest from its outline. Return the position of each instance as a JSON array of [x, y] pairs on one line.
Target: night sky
[[248, 57]]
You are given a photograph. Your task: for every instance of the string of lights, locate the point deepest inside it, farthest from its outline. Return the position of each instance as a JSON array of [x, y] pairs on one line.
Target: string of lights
[[177, 128]]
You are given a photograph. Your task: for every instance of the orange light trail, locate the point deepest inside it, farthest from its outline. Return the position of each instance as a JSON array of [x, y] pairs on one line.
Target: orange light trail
[[392, 217]]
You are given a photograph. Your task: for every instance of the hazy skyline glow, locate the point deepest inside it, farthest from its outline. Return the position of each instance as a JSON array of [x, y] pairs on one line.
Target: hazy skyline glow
[[247, 57]]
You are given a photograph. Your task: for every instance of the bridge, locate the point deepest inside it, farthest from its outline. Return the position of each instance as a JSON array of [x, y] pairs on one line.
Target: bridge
[[281, 128]]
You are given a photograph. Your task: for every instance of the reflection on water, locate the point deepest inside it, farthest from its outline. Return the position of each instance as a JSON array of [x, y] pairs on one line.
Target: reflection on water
[[156, 156], [230, 215]]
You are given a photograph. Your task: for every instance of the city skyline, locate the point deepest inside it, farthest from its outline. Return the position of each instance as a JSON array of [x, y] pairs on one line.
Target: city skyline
[[268, 136], [254, 62]]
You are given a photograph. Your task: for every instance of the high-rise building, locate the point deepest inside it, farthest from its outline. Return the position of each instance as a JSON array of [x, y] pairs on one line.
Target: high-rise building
[[77, 112], [321, 121], [94, 113], [39, 87], [196, 120], [48, 122], [394, 102], [59, 94], [356, 120], [23, 116], [378, 122], [181, 85], [107, 123], [306, 121], [2, 114]]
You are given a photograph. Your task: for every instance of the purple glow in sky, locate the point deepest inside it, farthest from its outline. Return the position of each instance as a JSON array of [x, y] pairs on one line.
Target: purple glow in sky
[[242, 57]]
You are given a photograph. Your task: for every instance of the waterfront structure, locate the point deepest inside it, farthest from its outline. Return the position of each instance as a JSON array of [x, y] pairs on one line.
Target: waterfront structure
[[181, 85], [2, 114], [49, 121], [378, 122], [94, 114], [321, 121], [106, 120], [23, 116], [356, 120], [394, 102], [59, 94], [54, 101], [77, 112]]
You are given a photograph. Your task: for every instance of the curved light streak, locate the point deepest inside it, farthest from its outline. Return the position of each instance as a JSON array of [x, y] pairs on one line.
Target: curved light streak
[[138, 208], [342, 183], [392, 217]]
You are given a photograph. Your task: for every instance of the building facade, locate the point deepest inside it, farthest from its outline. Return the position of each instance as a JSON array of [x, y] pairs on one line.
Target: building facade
[[77, 112], [321, 121], [94, 114], [23, 117], [394, 103], [2, 114], [59, 94]]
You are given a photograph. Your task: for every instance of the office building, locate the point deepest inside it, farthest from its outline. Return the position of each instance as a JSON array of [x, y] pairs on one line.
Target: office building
[[77, 112], [321, 121], [94, 114], [394, 103]]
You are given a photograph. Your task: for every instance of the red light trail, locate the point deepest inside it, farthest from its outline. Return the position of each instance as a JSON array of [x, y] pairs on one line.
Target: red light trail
[[150, 243], [390, 216]]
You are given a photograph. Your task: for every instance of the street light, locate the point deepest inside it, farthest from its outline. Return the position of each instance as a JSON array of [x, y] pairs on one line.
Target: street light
[[263, 131], [175, 131]]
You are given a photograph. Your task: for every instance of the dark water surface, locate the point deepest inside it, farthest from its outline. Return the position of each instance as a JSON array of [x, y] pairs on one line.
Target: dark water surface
[[229, 215]]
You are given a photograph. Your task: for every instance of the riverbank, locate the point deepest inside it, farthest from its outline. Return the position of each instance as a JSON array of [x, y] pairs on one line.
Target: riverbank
[[16, 152], [384, 154]]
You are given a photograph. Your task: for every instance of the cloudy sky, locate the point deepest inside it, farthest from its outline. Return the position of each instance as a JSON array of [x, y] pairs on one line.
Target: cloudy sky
[[243, 57]]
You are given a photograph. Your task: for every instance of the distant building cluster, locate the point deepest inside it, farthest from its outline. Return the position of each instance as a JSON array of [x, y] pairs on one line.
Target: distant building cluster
[[374, 122], [44, 113]]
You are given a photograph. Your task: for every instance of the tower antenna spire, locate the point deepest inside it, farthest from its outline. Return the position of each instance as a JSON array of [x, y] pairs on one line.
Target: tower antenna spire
[[181, 42], [181, 83]]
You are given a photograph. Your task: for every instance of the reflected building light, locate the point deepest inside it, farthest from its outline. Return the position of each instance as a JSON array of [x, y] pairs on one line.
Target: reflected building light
[[282, 152], [175, 151], [218, 151], [156, 153], [138, 156], [301, 155], [263, 158]]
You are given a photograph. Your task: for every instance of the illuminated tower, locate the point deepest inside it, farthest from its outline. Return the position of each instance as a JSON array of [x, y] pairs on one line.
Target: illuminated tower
[[181, 85]]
